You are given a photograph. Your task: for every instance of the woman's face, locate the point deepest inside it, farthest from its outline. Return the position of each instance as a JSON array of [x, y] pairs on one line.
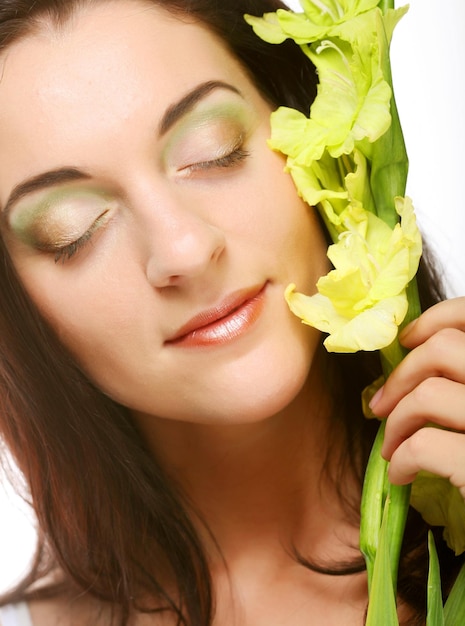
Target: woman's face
[[148, 219]]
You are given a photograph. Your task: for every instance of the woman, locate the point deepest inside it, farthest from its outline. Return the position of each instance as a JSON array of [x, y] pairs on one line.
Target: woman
[[193, 456]]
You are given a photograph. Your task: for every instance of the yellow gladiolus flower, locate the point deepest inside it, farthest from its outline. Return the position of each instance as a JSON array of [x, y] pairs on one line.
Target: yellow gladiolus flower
[[348, 160], [363, 300]]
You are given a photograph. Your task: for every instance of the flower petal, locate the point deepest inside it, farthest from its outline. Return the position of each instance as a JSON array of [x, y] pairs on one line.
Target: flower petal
[[372, 329], [267, 27], [295, 135]]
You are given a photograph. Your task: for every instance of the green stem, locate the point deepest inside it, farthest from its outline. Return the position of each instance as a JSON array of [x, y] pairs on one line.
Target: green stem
[[384, 5], [391, 356], [414, 308], [377, 490], [389, 159]]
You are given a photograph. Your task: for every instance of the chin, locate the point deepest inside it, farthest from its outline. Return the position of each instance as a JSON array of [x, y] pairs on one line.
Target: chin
[[251, 399]]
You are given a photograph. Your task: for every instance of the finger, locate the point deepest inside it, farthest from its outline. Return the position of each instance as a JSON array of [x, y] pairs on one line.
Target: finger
[[447, 314], [435, 400], [442, 355], [438, 451]]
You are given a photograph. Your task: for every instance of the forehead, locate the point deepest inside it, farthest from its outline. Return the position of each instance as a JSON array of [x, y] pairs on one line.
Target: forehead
[[111, 63], [114, 26]]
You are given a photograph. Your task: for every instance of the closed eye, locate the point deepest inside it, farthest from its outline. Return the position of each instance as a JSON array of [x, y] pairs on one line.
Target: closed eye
[[234, 158], [65, 252], [229, 160]]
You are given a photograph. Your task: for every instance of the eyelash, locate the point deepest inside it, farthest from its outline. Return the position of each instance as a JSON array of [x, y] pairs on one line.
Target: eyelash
[[65, 253], [235, 157]]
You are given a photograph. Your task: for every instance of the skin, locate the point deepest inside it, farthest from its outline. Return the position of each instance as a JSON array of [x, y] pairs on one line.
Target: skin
[[175, 241], [239, 424]]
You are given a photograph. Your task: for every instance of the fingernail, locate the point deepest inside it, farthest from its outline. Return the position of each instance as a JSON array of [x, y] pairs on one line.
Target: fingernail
[[376, 398]]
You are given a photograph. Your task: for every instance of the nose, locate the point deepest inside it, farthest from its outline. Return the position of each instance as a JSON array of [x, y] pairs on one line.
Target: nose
[[184, 246]]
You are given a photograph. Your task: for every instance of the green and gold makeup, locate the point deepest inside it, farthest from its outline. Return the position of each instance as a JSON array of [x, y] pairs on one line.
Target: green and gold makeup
[[59, 220], [211, 137]]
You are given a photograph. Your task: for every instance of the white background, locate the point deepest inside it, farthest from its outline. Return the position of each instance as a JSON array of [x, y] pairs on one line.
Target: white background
[[428, 54]]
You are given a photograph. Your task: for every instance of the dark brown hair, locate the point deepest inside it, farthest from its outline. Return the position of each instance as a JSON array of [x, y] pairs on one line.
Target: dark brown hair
[[110, 521]]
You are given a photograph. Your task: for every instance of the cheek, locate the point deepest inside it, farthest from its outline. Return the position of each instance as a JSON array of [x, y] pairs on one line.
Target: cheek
[[296, 230], [86, 309], [77, 318], [286, 208], [97, 325]]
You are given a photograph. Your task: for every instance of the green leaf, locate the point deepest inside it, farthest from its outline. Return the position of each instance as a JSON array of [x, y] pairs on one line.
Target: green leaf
[[454, 610], [382, 601], [373, 498], [441, 504], [435, 615], [399, 496]]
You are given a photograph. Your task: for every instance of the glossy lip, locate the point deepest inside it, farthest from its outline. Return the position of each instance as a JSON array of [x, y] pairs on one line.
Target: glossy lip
[[223, 323]]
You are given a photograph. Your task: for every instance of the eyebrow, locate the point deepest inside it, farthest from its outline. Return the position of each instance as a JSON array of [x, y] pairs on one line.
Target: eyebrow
[[188, 102], [70, 174], [43, 181]]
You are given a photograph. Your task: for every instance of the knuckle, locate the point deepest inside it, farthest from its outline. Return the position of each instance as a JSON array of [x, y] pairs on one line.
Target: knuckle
[[418, 443], [427, 392], [442, 341]]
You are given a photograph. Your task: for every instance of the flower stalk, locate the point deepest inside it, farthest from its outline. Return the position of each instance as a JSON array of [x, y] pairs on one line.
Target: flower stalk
[[348, 159], [384, 5]]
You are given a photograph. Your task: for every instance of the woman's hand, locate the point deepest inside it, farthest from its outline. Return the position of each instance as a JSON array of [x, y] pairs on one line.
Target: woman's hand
[[427, 388]]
